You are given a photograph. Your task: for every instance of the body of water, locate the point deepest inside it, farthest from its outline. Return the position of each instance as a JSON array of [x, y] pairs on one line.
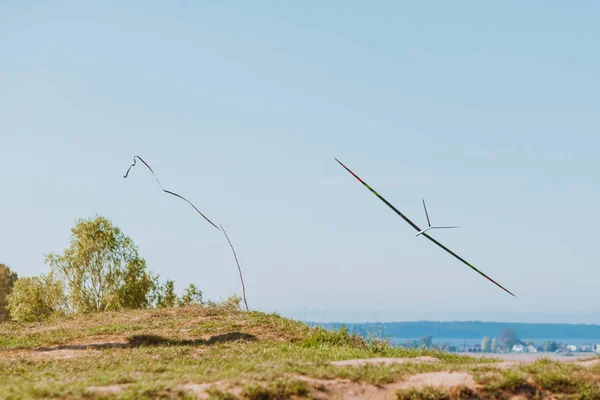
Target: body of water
[[473, 341]]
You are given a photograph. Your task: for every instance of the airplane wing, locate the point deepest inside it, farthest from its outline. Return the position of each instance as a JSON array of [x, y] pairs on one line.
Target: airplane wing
[[424, 234], [426, 213]]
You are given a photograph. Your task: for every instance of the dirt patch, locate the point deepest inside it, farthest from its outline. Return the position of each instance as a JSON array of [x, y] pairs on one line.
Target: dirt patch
[[105, 390], [589, 363], [346, 389], [200, 390], [60, 354], [515, 363], [508, 364], [51, 354], [444, 379], [386, 361]]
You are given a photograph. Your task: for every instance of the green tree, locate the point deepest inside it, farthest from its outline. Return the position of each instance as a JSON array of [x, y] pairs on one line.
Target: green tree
[[36, 298], [508, 338], [426, 341], [7, 280], [494, 345], [191, 295], [486, 344], [165, 295], [137, 285], [550, 346], [102, 268]]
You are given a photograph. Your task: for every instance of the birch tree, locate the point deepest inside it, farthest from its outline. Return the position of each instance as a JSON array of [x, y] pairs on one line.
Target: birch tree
[[102, 268]]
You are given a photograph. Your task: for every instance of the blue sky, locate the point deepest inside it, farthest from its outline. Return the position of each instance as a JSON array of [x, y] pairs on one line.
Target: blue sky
[[488, 111]]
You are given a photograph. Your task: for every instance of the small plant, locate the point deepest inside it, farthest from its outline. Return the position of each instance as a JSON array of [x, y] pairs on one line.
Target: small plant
[[232, 303], [426, 393], [378, 345], [279, 389], [191, 295], [557, 381], [320, 336], [513, 380], [216, 394]]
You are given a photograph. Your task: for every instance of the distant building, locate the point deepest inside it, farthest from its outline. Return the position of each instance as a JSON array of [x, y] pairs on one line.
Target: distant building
[[518, 348], [597, 348], [571, 347], [532, 349]]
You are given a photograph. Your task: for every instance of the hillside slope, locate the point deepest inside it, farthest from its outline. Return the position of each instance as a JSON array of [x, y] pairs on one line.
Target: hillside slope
[[223, 353]]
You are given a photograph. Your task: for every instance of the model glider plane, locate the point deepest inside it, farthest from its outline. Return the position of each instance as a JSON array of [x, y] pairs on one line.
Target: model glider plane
[[423, 232]]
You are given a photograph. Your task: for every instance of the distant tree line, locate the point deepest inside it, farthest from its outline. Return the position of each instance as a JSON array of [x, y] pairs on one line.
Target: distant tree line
[[100, 271], [503, 343], [471, 329], [508, 339]]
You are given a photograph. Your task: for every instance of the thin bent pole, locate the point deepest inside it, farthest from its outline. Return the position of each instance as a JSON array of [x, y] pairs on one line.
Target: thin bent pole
[[238, 265]]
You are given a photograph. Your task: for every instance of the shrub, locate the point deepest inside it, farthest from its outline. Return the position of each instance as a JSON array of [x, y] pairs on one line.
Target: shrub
[[35, 299], [320, 336], [7, 280], [164, 295], [191, 295], [232, 303]]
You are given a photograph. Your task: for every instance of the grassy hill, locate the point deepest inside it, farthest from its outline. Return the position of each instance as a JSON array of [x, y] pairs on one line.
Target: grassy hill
[[223, 353]]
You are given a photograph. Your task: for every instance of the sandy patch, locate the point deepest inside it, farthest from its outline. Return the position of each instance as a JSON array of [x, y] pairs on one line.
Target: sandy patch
[[52, 354], [200, 390], [103, 390], [61, 354], [589, 363], [444, 379], [386, 361], [346, 389]]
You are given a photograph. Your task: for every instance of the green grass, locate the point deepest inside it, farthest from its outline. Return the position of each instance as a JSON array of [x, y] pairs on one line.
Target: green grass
[[426, 393], [277, 389], [154, 353], [538, 380]]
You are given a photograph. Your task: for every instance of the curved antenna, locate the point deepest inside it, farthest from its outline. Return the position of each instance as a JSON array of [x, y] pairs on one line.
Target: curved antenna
[[165, 190]]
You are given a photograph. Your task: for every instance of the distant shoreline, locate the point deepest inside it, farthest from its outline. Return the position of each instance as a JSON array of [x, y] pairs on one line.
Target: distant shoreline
[[473, 341], [530, 357], [469, 330]]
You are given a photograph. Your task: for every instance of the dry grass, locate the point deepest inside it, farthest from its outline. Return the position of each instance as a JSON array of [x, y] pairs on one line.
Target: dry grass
[[222, 353]]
